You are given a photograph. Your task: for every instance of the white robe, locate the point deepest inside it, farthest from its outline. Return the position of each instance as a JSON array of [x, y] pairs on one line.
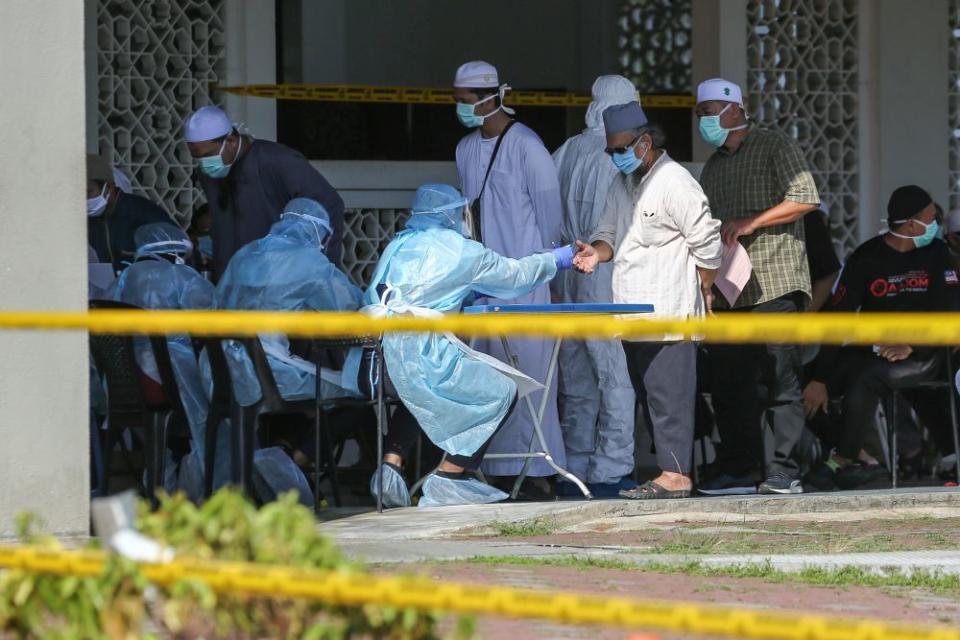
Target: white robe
[[521, 214]]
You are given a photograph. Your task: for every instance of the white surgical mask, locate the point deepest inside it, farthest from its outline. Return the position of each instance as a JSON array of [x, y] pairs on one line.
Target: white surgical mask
[[96, 206]]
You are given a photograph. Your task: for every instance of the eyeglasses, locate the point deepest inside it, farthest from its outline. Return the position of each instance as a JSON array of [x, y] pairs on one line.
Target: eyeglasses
[[621, 150]]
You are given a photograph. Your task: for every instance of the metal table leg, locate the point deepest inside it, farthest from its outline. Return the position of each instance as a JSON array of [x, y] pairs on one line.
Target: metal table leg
[[537, 436]]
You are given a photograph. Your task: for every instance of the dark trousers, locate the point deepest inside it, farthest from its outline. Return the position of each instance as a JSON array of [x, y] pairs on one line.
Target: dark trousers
[[864, 379], [664, 377], [749, 382], [403, 428]]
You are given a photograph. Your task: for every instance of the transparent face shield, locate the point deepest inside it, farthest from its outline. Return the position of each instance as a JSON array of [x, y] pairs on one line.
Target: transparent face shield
[[179, 249], [321, 227], [467, 222]]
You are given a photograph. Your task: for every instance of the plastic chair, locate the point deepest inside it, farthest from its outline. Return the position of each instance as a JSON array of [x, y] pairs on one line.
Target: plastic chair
[[891, 420], [114, 358], [222, 406], [246, 433], [379, 402]]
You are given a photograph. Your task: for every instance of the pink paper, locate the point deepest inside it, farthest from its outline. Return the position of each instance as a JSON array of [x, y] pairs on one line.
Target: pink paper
[[735, 270]]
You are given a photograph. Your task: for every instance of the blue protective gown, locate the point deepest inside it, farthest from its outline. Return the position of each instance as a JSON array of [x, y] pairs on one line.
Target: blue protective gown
[[155, 283], [457, 400], [285, 271]]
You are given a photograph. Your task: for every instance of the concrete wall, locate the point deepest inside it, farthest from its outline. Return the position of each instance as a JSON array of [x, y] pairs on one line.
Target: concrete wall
[[43, 376], [547, 44], [251, 58]]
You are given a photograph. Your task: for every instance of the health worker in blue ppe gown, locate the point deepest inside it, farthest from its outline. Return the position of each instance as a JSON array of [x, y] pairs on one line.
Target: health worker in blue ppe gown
[[506, 170], [159, 279], [248, 182], [287, 270], [460, 398], [595, 392]]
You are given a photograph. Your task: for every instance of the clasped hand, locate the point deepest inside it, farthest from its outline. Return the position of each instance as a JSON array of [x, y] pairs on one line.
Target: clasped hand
[[586, 258]]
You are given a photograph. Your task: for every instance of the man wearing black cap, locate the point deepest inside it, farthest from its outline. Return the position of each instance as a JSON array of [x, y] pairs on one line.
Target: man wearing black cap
[[665, 247], [906, 269]]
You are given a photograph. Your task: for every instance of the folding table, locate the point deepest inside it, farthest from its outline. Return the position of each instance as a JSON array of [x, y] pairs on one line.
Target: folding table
[[537, 413]]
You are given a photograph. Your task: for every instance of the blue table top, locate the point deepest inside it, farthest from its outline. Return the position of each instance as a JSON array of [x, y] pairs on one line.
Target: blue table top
[[566, 307]]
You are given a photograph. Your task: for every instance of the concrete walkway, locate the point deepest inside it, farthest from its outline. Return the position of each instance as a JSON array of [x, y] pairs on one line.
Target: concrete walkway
[[418, 535]]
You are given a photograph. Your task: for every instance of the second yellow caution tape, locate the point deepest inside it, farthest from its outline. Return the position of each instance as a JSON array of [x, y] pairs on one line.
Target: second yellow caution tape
[[414, 95], [795, 328], [419, 593]]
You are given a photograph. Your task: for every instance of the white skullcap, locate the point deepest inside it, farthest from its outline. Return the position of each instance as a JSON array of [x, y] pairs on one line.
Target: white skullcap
[[476, 75], [608, 91], [952, 221], [719, 89], [206, 123]]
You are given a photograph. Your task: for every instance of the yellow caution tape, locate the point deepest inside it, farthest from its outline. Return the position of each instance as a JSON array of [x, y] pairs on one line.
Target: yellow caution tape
[[412, 95], [334, 588], [796, 328]]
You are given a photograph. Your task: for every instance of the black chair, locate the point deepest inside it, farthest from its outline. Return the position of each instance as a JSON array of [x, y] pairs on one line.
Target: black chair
[[246, 432], [222, 406], [379, 401], [246, 422], [891, 418], [127, 407]]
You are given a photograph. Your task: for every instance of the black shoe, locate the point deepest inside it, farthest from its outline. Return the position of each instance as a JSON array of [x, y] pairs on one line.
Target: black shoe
[[858, 474], [728, 485], [531, 489], [821, 478], [780, 483]]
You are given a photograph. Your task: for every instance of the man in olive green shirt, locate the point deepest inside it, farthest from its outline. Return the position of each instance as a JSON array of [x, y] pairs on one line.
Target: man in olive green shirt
[[760, 187]]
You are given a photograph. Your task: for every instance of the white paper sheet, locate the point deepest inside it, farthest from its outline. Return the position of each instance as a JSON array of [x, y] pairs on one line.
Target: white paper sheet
[[735, 271]]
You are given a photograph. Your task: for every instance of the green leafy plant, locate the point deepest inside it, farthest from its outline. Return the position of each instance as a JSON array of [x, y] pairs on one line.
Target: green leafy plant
[[121, 603]]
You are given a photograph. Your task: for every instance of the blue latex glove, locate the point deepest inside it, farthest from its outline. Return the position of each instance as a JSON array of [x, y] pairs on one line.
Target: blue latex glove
[[563, 256]]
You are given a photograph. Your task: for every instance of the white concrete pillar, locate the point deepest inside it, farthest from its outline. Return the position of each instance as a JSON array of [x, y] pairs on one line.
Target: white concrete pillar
[[251, 50], [911, 39], [870, 198], [44, 458], [719, 51]]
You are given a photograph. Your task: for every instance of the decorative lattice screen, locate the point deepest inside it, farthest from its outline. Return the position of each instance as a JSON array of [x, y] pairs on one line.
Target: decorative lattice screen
[[954, 106], [802, 59], [366, 233], [655, 49], [156, 61]]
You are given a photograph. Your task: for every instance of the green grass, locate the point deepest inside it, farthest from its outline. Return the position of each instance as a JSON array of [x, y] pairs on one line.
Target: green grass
[[533, 528], [844, 576]]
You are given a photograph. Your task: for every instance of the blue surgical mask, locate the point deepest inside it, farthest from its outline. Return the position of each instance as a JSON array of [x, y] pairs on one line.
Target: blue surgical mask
[[96, 206], [712, 132], [466, 113], [628, 162], [930, 232], [214, 166]]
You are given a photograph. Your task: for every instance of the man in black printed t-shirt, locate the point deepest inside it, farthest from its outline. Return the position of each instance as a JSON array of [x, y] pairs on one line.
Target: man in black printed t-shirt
[[907, 269]]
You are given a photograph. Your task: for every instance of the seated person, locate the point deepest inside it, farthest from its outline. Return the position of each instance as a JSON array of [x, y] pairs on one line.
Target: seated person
[[159, 279], [113, 216], [905, 269], [458, 397], [821, 256], [199, 232], [286, 271]]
